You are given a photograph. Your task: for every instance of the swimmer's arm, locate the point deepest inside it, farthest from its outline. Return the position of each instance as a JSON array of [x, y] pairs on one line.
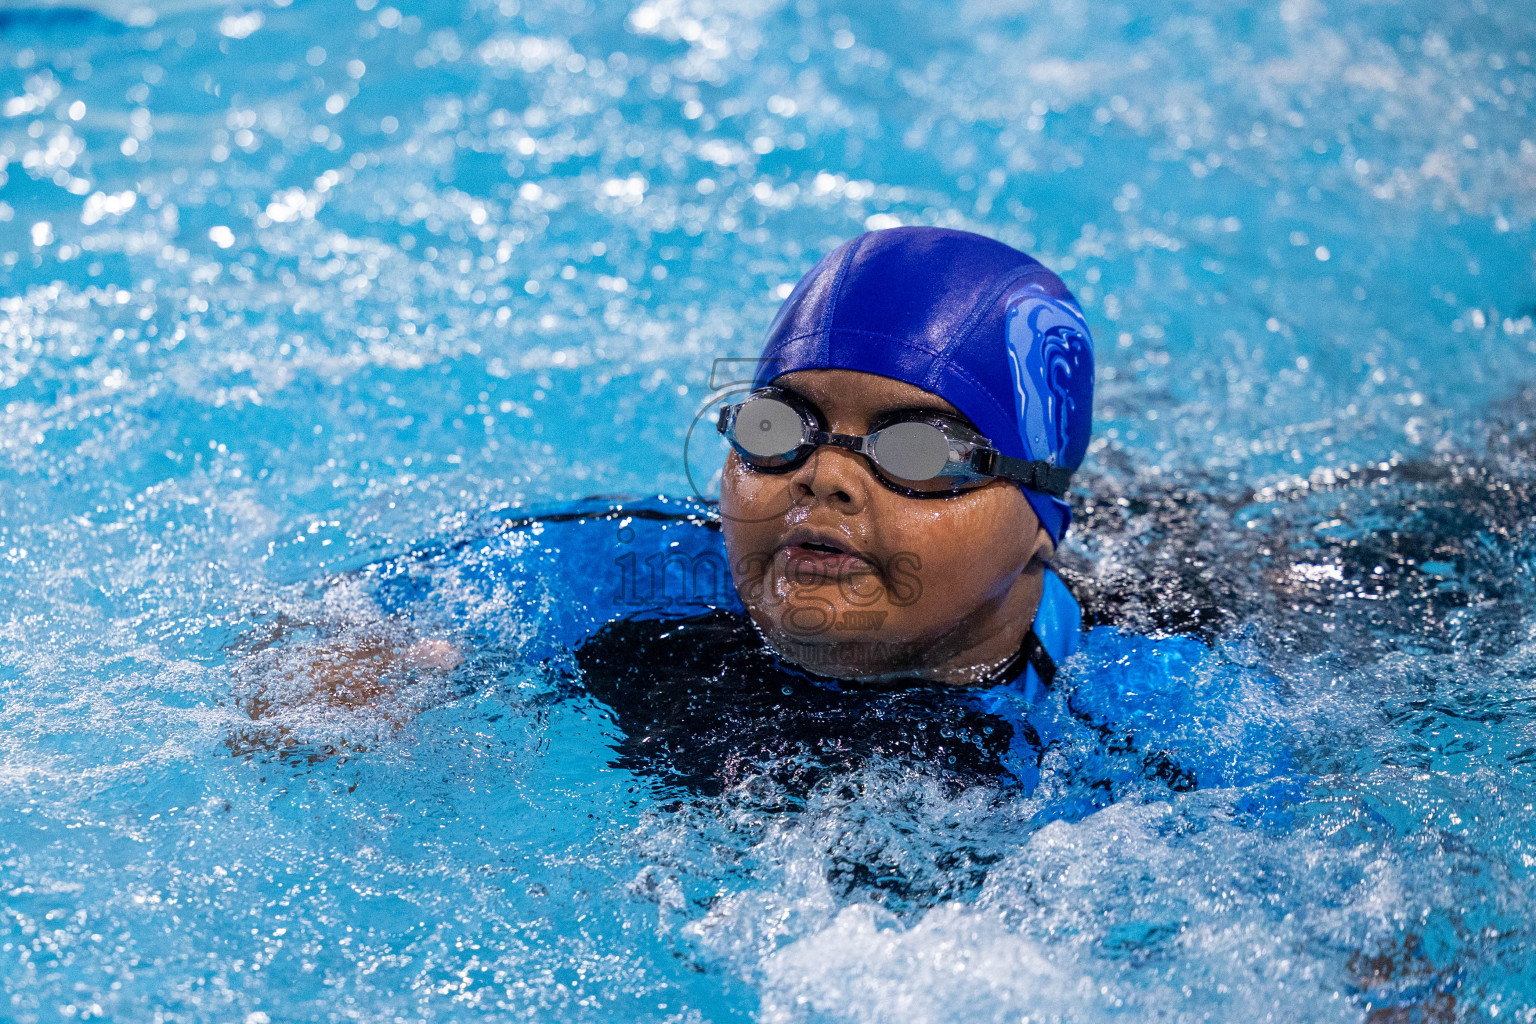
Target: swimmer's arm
[[366, 675], [292, 691]]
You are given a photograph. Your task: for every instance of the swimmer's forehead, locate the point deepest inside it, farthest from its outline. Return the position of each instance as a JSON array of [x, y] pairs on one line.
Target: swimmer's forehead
[[855, 393]]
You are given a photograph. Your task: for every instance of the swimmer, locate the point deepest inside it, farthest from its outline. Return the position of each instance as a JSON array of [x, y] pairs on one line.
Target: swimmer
[[895, 490], [893, 495], [896, 485]]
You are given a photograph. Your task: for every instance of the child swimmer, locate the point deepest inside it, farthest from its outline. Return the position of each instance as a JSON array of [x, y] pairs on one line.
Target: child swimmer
[[894, 493], [896, 484]]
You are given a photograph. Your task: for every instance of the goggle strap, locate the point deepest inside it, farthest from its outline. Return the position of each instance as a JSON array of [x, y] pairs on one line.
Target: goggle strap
[[1037, 476]]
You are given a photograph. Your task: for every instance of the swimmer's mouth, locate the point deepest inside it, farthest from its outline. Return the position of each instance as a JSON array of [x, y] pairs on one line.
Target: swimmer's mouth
[[824, 553]]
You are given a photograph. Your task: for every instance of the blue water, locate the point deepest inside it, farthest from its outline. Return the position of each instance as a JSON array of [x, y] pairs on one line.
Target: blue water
[[293, 290]]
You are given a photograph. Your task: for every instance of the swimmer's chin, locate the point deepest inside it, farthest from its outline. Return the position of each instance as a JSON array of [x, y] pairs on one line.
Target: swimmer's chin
[[868, 661]]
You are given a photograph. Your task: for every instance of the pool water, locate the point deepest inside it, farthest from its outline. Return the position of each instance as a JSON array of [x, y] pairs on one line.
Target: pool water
[[322, 321]]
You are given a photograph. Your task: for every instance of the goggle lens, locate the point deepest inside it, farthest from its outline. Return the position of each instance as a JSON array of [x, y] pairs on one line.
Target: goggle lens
[[915, 453], [769, 430]]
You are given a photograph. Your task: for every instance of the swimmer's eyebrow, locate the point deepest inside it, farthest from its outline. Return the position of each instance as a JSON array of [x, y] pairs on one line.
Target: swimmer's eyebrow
[[807, 399], [886, 412], [897, 410]]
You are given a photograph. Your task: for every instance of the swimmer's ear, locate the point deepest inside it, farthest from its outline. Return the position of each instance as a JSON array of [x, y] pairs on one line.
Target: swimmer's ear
[[1044, 547], [1041, 546]]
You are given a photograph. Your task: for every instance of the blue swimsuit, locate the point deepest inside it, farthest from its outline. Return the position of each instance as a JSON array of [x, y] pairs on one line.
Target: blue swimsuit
[[1129, 712]]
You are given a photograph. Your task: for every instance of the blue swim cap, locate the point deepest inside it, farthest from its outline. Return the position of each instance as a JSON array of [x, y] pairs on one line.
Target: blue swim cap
[[976, 322]]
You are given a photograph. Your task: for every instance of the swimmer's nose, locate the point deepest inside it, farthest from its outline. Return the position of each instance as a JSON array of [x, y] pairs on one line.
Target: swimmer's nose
[[833, 476]]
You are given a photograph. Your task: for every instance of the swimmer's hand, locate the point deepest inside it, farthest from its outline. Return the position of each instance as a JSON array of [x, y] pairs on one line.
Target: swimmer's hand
[[342, 690], [366, 674]]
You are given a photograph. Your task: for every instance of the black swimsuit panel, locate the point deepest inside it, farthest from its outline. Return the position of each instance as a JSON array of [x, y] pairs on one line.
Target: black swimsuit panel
[[702, 702]]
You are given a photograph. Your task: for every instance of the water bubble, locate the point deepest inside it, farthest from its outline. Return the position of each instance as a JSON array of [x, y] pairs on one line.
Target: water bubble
[[239, 26]]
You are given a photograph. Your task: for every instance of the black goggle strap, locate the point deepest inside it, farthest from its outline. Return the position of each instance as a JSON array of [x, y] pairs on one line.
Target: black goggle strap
[[1037, 476]]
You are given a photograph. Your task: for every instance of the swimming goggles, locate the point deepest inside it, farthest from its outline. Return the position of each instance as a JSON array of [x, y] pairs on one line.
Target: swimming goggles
[[916, 453]]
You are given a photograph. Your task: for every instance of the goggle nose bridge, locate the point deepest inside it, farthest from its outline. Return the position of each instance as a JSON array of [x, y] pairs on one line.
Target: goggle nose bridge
[[848, 442]]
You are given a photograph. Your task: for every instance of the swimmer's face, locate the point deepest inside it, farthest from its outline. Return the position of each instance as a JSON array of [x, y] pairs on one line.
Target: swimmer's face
[[851, 579]]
